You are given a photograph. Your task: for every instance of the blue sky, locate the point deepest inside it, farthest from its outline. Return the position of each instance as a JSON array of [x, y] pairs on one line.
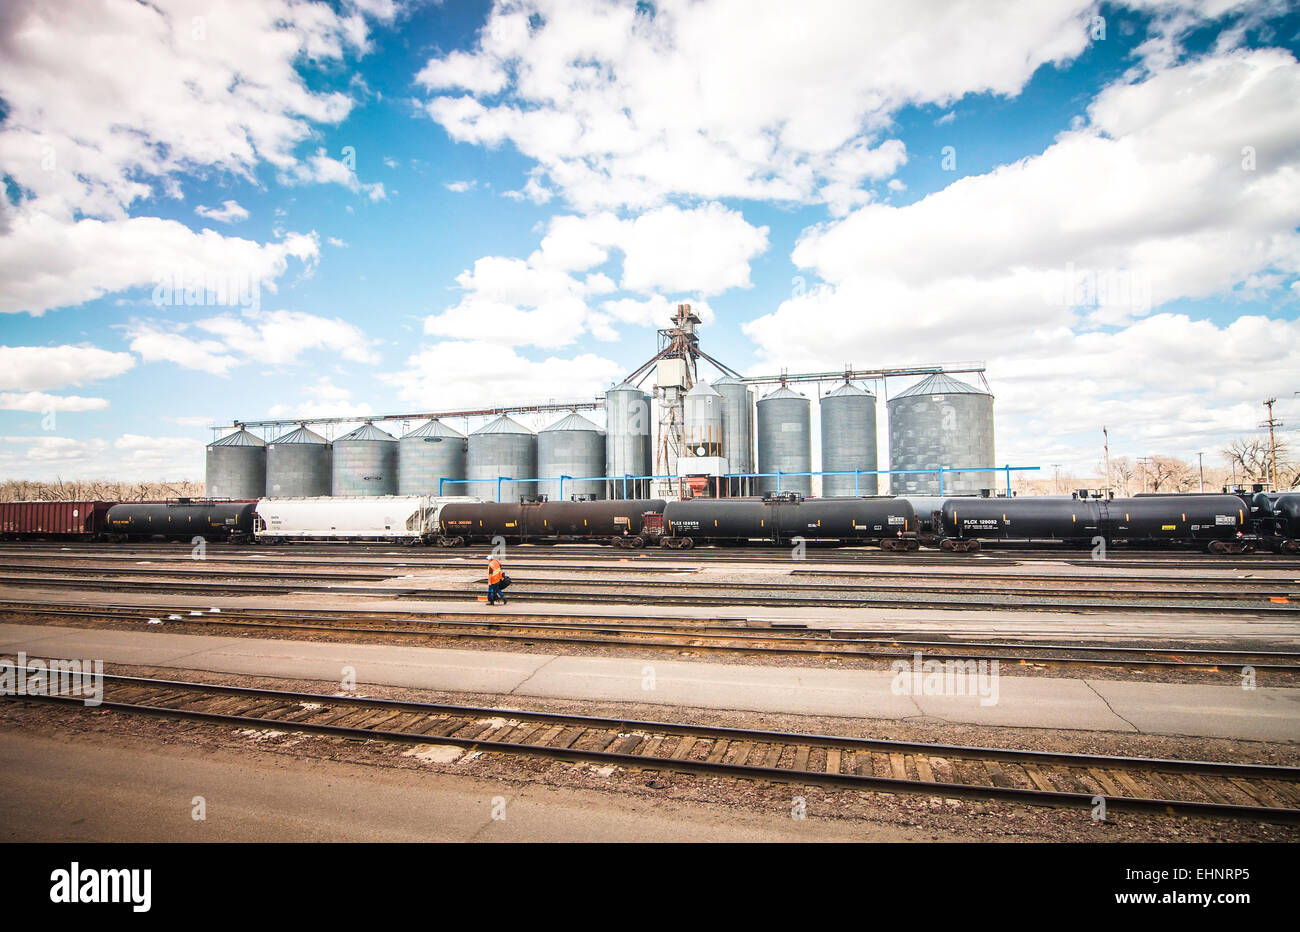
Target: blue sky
[[448, 204]]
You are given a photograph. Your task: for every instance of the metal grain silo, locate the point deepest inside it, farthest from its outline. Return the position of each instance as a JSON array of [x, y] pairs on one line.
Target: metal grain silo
[[236, 466], [427, 455], [572, 446], [628, 449], [365, 462], [784, 441], [702, 421], [737, 423], [941, 421], [502, 448], [298, 465], [848, 440]]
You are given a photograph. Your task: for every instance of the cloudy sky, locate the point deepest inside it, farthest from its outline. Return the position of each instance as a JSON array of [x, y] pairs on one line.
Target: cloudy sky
[[269, 208]]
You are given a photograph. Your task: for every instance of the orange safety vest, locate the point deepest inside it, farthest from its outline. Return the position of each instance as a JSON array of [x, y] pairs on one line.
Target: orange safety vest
[[494, 572]]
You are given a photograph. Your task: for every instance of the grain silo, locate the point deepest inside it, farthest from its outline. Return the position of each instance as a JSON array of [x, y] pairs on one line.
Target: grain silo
[[502, 448], [941, 421], [572, 446], [702, 421], [427, 455], [784, 442], [737, 428], [298, 465], [236, 466], [848, 440], [365, 462], [628, 447]]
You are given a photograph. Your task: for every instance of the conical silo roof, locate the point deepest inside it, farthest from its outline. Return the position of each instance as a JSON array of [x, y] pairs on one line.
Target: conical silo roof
[[240, 438], [435, 428], [940, 384], [703, 388], [573, 421], [301, 435], [367, 432], [847, 389], [502, 425], [782, 392]]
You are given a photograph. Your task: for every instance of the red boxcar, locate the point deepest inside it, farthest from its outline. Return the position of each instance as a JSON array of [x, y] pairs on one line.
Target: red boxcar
[[53, 519]]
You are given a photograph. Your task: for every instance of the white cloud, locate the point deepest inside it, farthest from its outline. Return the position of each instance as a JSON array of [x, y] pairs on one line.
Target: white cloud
[[228, 212], [323, 399], [157, 345], [85, 138], [701, 251], [278, 337], [468, 373], [623, 107], [460, 187], [1148, 200], [40, 402], [321, 168], [41, 367], [48, 263]]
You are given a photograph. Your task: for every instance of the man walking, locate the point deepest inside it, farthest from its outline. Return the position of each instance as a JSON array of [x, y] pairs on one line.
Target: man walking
[[495, 575]]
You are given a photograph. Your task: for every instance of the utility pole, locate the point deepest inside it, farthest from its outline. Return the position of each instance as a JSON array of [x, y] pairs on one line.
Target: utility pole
[[1142, 461], [1271, 423], [1200, 462], [1056, 478], [1106, 445]]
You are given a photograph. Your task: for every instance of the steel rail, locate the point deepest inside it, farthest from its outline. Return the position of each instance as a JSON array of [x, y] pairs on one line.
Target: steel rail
[[754, 737]]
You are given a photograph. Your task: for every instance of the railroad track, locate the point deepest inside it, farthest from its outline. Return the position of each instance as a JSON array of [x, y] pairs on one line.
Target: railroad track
[[992, 555], [677, 593], [685, 636], [1197, 788], [1213, 588]]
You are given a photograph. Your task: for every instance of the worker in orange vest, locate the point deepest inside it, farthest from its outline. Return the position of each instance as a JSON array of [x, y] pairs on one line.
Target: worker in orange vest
[[495, 576]]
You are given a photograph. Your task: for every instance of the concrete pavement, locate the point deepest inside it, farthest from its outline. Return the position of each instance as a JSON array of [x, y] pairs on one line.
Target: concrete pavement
[[1226, 711]]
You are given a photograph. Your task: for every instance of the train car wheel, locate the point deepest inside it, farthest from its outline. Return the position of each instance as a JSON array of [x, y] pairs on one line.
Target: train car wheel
[[912, 545], [687, 543], [636, 543], [948, 544], [972, 546], [1217, 546]]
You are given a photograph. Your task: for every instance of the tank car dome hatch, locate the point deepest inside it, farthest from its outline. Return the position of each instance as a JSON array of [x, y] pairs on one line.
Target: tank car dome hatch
[[236, 466]]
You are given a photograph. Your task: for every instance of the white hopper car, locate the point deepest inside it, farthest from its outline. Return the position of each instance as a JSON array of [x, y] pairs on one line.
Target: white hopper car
[[411, 519]]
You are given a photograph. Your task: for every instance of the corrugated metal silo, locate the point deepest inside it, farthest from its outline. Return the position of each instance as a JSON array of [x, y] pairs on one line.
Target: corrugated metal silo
[[737, 423], [365, 462], [941, 421], [628, 449], [502, 448], [430, 453], [236, 466], [702, 421], [298, 465], [785, 441], [572, 446], [848, 440]]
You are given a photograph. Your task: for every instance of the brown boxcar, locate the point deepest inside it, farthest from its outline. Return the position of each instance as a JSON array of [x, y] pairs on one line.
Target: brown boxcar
[[53, 519]]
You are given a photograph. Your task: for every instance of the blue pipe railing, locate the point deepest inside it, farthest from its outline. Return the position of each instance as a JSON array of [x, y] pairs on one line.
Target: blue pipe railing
[[778, 475]]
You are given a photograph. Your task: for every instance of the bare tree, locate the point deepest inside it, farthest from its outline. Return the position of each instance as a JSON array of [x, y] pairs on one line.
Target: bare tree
[[1169, 473]]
